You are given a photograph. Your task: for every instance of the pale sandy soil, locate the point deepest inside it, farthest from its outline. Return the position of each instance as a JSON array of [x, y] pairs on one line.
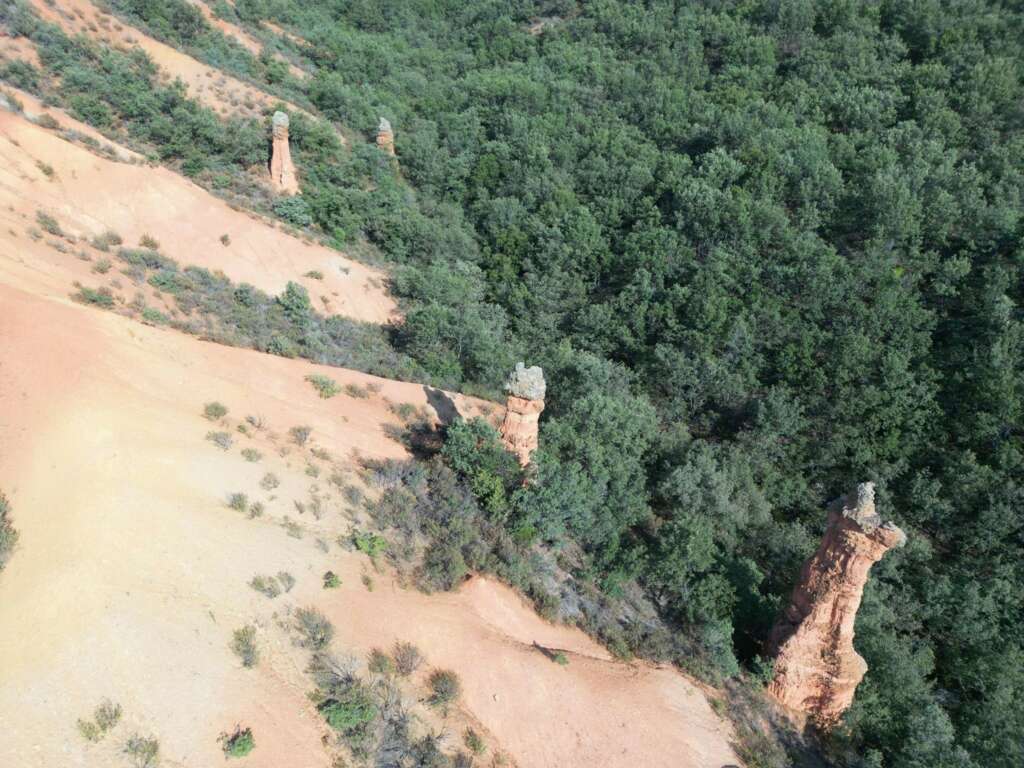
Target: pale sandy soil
[[89, 194], [132, 572]]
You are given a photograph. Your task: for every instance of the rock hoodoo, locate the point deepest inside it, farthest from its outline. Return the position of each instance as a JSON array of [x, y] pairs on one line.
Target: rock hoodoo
[[282, 171], [385, 136], [519, 430], [817, 669]]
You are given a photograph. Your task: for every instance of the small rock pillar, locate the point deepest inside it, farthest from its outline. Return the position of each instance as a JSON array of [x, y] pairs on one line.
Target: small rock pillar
[[817, 669], [520, 429], [386, 137], [282, 170]]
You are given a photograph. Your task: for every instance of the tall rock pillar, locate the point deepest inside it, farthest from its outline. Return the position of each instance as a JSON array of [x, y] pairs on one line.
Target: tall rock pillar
[[282, 171], [817, 669], [386, 137], [520, 428]]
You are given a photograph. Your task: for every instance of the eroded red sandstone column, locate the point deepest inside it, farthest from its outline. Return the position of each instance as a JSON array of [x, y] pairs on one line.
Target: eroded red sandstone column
[[520, 429], [386, 137], [817, 669], [282, 171]]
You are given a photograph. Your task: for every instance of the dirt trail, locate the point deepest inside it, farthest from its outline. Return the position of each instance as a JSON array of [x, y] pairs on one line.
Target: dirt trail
[[88, 194], [132, 570]]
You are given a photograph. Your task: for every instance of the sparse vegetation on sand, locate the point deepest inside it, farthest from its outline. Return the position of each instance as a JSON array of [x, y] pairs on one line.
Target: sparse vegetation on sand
[[474, 742], [243, 643], [143, 750], [105, 717], [98, 297], [48, 223], [269, 482], [324, 385], [8, 534], [222, 440], [315, 630], [251, 455], [105, 240], [300, 435], [266, 585], [239, 743]]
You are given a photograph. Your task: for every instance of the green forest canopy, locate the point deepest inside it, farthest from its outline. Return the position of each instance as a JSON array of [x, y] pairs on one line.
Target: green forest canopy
[[763, 249]]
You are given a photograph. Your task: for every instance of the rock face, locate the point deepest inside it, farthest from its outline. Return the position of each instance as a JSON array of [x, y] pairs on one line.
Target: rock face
[[519, 430], [386, 137], [282, 171], [817, 669]]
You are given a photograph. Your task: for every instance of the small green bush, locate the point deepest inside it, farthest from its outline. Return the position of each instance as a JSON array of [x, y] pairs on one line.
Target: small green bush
[[294, 210], [380, 663], [315, 629], [370, 544], [222, 440], [238, 744], [243, 643], [225, 239], [8, 535], [474, 742], [286, 579], [324, 385], [145, 752], [445, 687], [292, 528], [101, 297], [331, 580], [48, 223], [300, 435], [251, 454], [48, 121], [104, 241], [148, 241], [238, 502], [102, 266], [314, 274], [256, 510], [107, 715], [266, 585], [89, 730], [154, 317], [354, 390], [407, 658], [561, 659], [349, 708], [269, 482], [215, 411]]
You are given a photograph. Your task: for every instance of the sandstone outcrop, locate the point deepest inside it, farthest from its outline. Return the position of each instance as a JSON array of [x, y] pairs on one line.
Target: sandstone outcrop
[[817, 669], [282, 170], [520, 428], [386, 137]]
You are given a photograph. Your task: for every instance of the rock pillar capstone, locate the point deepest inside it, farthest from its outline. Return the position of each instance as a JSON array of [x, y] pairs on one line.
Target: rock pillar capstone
[[282, 171], [817, 669], [521, 426], [386, 137]]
